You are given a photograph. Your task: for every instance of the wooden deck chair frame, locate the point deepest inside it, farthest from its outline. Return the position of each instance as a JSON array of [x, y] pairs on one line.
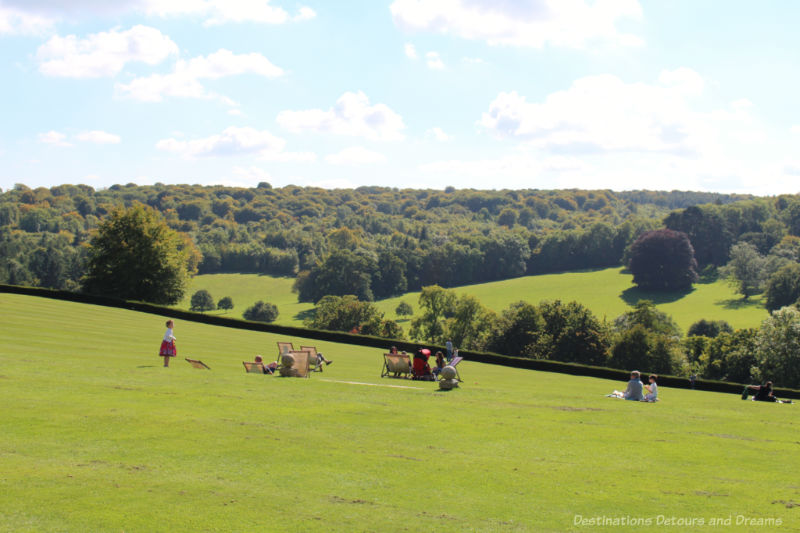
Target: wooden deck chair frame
[[301, 358], [284, 347], [396, 363], [314, 364], [197, 364], [254, 368], [454, 363]]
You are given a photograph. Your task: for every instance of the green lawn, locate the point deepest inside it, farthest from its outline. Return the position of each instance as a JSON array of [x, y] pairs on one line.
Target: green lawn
[[608, 293], [96, 436]]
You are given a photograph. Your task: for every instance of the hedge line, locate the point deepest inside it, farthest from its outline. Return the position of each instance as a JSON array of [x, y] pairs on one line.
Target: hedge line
[[574, 369]]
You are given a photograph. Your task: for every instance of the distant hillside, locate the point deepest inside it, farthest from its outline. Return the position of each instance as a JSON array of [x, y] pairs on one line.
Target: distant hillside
[[388, 241]]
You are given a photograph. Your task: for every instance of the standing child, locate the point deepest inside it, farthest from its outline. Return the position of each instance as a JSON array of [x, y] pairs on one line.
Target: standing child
[[168, 344]]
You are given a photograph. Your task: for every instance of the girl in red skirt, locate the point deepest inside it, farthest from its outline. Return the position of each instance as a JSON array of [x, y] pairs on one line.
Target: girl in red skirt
[[168, 344]]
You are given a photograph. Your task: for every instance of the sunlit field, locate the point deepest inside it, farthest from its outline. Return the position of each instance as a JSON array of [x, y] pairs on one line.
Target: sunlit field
[[608, 293], [97, 436]]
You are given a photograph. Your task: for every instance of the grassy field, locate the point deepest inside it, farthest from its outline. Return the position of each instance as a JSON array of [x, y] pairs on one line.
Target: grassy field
[[97, 436], [608, 293]]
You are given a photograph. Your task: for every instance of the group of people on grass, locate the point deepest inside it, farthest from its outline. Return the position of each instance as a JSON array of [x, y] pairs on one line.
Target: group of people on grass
[[419, 366], [635, 391], [168, 350]]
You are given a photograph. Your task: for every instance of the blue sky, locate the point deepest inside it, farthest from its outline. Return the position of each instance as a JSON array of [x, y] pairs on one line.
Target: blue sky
[[488, 94]]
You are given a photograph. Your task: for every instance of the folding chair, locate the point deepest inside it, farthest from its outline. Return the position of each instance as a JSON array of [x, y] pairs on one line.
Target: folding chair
[[254, 368], [284, 347], [314, 364], [300, 366], [396, 364], [454, 364], [198, 364]]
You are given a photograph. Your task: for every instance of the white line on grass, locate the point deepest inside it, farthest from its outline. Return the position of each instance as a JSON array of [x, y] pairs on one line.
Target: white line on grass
[[370, 384]]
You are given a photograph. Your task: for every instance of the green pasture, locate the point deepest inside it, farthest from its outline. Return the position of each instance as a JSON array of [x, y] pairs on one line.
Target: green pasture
[[608, 293], [97, 436]]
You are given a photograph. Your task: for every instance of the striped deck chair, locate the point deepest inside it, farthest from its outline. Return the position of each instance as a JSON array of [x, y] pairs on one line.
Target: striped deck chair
[[254, 368], [299, 368], [313, 361], [396, 365], [197, 364], [454, 362]]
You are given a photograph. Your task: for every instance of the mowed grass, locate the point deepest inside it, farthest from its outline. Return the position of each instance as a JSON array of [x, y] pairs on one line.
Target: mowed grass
[[608, 293], [97, 436]]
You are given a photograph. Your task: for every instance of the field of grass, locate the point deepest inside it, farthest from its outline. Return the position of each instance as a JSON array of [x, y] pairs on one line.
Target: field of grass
[[608, 293], [97, 436]]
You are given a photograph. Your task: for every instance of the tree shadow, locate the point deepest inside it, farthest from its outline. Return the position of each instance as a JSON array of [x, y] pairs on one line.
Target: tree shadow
[[633, 295], [146, 366], [307, 314], [740, 303]]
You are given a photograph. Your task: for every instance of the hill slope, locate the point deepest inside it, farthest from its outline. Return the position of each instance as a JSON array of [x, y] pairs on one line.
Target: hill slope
[[97, 436], [608, 293]]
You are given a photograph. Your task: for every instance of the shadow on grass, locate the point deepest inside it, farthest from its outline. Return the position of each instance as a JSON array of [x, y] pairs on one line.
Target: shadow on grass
[[740, 303], [146, 366], [633, 295], [307, 314]]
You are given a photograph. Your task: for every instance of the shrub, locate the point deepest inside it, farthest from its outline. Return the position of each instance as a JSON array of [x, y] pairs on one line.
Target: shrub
[[404, 309], [202, 301], [261, 312], [225, 303]]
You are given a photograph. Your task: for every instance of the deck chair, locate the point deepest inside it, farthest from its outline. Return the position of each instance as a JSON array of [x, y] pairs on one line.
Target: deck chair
[[284, 347], [396, 363], [198, 364], [314, 364], [454, 363], [254, 368], [300, 365]]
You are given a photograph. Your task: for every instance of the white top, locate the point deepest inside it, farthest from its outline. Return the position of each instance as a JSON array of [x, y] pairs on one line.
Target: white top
[[168, 336], [653, 390]]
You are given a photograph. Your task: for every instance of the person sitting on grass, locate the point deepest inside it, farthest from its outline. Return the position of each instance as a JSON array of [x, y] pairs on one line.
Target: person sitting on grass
[[633, 391], [764, 393], [421, 368], [440, 362], [652, 389]]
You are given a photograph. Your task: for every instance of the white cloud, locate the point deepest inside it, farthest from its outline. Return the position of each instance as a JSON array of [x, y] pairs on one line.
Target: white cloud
[[352, 115], [438, 134], [235, 141], [184, 81], [411, 51], [795, 129], [98, 137], [250, 175], [604, 114], [532, 23], [355, 155], [473, 60], [223, 11], [53, 137], [14, 21], [103, 54], [433, 61]]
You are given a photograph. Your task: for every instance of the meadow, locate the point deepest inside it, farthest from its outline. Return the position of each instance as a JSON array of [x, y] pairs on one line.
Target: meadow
[[607, 292], [97, 436]]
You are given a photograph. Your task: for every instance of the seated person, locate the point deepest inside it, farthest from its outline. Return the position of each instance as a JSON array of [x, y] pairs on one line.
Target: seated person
[[440, 362], [764, 393], [634, 390], [652, 389], [321, 359], [270, 368], [421, 368]]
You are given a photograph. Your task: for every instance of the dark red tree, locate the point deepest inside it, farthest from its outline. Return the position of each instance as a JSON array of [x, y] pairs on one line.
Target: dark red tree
[[663, 260]]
